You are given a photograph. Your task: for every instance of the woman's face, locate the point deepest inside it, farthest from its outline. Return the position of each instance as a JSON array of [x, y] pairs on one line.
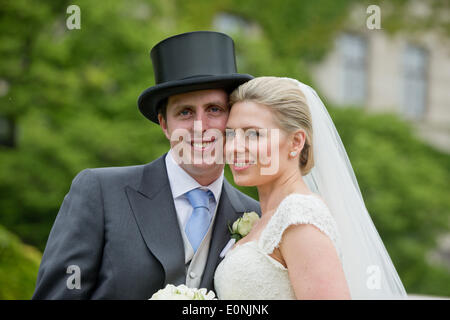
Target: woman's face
[[256, 148]]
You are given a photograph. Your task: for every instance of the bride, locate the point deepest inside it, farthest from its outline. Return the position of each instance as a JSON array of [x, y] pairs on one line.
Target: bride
[[315, 238]]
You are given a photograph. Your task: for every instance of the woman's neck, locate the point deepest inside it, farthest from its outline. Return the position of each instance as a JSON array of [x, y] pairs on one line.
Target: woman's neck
[[273, 192]]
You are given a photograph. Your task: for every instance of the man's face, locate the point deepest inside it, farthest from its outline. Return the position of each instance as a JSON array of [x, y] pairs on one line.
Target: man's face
[[195, 124]]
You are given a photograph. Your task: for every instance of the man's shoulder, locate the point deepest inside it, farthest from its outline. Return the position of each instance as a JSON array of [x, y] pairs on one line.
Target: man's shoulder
[[248, 202], [117, 175], [116, 171], [246, 198], [111, 172]]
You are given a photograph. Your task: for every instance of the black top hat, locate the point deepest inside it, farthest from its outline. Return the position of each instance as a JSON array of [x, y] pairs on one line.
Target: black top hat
[[188, 62]]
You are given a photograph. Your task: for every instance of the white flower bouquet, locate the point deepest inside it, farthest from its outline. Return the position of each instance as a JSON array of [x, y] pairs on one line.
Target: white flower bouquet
[[181, 292]]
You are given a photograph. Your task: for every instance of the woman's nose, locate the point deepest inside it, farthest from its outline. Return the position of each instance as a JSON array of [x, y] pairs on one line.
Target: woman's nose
[[240, 143], [236, 147]]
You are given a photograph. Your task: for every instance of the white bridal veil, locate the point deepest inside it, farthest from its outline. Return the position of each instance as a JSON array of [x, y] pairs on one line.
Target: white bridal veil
[[368, 268]]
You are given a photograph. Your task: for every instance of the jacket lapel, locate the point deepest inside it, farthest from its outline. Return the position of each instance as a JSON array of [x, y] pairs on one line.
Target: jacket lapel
[[229, 209], [155, 214]]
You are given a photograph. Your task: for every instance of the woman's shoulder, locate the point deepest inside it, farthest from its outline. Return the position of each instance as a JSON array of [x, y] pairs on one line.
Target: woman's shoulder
[[297, 209], [297, 204]]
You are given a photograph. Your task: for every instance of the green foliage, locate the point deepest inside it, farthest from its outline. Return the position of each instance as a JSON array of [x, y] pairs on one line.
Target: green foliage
[[73, 96], [404, 183], [398, 17], [19, 265], [73, 93]]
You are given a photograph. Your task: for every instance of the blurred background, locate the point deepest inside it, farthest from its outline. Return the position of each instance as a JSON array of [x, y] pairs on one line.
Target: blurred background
[[68, 102]]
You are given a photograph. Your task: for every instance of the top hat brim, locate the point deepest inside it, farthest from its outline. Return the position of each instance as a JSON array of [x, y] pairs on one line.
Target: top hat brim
[[149, 100]]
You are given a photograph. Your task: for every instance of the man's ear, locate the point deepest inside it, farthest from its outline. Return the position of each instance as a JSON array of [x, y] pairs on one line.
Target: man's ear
[[163, 124]]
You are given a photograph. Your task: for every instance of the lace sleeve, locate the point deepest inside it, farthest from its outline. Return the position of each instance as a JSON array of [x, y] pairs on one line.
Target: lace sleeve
[[299, 209]]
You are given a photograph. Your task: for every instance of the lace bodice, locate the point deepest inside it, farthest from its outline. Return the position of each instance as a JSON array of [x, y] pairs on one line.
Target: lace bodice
[[248, 272]]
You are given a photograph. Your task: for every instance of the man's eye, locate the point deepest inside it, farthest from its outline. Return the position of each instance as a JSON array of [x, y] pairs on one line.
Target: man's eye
[[215, 109], [185, 112]]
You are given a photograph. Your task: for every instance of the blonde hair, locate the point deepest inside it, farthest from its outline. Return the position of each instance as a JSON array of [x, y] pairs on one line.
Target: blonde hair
[[289, 105]]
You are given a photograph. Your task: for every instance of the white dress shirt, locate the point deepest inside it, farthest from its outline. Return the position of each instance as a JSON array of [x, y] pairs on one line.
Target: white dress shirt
[[180, 183]]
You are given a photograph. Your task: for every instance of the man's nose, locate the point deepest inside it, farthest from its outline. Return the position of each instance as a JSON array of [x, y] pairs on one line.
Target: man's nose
[[201, 117], [201, 123]]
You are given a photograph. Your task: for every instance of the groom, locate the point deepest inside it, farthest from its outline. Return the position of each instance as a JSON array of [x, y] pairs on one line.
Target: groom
[[126, 232]]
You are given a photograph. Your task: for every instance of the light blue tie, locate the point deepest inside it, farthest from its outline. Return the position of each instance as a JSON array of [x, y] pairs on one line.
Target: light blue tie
[[198, 223]]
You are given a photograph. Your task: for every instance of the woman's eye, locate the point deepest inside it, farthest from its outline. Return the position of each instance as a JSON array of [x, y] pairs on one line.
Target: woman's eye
[[229, 133], [252, 133]]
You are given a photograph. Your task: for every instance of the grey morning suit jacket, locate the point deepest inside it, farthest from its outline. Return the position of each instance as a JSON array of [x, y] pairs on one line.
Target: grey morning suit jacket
[[119, 226]]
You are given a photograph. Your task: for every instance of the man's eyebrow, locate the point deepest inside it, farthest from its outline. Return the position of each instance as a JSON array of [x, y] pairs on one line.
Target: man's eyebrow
[[181, 105], [187, 105], [218, 103]]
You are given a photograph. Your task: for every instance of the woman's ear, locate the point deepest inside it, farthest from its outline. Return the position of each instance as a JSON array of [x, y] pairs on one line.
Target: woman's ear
[[298, 141]]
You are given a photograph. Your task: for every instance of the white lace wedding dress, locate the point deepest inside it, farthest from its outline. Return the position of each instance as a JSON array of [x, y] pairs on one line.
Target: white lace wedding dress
[[248, 272]]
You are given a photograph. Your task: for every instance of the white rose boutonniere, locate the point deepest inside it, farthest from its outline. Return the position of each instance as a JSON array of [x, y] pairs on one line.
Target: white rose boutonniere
[[181, 292], [242, 226]]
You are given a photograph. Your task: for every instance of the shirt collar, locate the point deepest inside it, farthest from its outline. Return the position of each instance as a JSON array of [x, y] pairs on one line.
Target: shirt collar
[[181, 182]]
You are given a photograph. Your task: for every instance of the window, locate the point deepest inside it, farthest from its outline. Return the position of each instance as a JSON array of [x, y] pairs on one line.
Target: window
[[414, 81], [353, 55]]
